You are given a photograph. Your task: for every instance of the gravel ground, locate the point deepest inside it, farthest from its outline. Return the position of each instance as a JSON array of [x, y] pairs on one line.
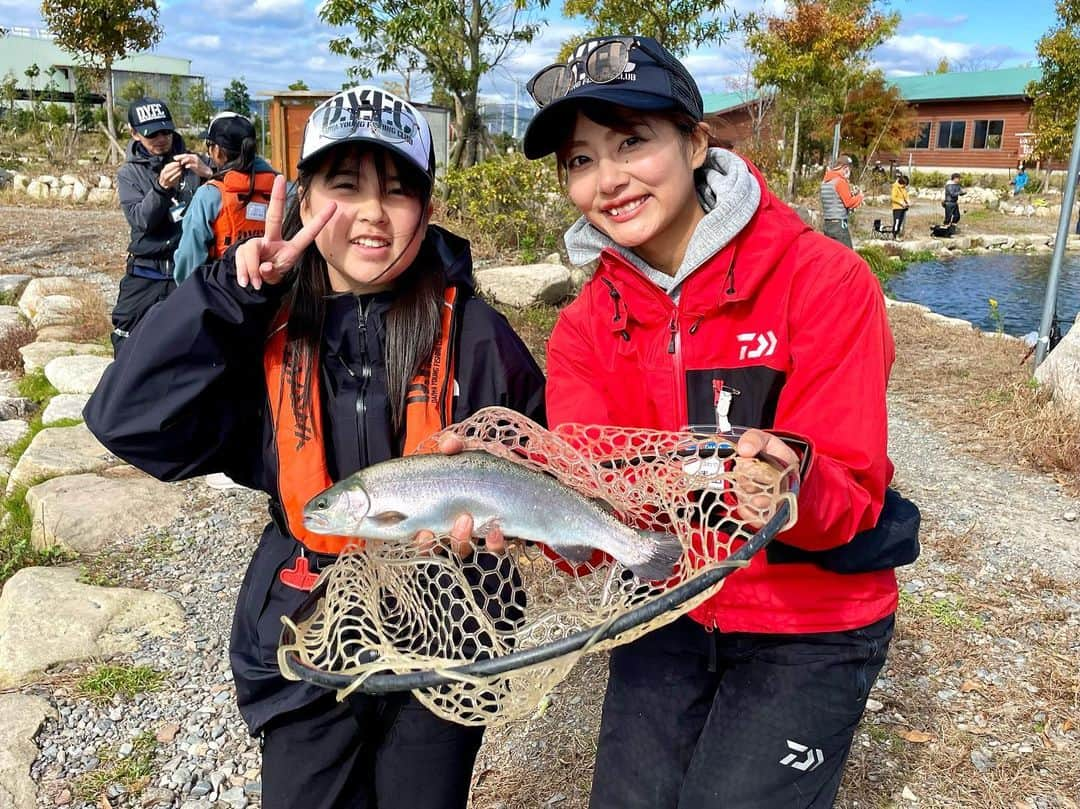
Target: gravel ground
[[978, 706]]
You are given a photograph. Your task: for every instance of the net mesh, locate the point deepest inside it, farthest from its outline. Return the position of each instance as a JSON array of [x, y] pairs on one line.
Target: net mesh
[[397, 607]]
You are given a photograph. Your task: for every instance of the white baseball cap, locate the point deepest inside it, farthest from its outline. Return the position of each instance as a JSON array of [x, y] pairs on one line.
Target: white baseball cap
[[373, 115]]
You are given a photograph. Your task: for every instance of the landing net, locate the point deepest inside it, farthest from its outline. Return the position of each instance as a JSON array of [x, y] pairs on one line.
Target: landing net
[[482, 639]]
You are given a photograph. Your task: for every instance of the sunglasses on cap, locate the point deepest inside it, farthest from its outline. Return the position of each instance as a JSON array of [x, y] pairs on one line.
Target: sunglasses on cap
[[605, 63], [335, 121]]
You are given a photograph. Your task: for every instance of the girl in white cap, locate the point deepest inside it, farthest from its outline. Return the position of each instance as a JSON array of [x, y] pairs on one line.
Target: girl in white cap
[[293, 362], [714, 306]]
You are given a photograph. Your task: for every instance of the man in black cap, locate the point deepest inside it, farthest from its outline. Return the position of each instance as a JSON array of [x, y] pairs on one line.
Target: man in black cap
[[155, 186]]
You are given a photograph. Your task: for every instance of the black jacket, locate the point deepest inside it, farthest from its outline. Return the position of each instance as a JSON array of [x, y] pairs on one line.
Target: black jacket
[[953, 192], [187, 396], [147, 206]]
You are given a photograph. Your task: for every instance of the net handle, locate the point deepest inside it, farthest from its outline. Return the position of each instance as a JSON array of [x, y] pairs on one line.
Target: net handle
[[391, 683]]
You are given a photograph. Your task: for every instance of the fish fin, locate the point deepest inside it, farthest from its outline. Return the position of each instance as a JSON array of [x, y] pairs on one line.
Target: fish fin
[[663, 552]]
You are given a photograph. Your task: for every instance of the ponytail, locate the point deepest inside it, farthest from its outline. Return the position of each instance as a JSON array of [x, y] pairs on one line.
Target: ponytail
[[242, 161]]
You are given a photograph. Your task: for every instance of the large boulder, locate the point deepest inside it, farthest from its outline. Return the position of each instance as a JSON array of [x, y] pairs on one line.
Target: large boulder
[[59, 451], [64, 406], [11, 432], [37, 354], [48, 617], [84, 513], [526, 285], [79, 373], [14, 283], [23, 715], [12, 323], [1060, 371], [30, 300]]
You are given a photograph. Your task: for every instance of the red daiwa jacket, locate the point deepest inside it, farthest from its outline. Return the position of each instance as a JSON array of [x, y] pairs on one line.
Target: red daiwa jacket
[[794, 322]]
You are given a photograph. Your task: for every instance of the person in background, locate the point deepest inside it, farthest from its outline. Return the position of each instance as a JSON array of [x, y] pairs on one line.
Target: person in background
[[838, 199], [155, 186], [231, 206], [1020, 180], [294, 361], [951, 203], [900, 204], [752, 700]]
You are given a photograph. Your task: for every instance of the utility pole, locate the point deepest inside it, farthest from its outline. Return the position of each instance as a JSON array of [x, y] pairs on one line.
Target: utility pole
[[517, 86], [1067, 197]]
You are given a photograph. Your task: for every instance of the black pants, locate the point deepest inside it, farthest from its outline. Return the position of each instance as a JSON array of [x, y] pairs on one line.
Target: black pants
[[837, 229], [898, 216], [952, 213], [134, 300], [367, 753], [707, 720]]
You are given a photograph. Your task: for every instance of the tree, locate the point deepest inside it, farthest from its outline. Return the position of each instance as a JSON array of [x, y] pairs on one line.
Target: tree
[[175, 99], [454, 42], [101, 32], [9, 91], [84, 85], [299, 84], [200, 110], [237, 98], [677, 24], [875, 118], [1057, 93], [813, 54], [32, 73], [133, 90]]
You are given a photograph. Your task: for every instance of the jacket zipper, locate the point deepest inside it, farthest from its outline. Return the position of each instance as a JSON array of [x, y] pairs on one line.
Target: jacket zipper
[[365, 377]]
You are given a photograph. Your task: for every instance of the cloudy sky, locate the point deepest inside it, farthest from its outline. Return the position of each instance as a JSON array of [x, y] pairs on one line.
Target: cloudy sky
[[271, 43]]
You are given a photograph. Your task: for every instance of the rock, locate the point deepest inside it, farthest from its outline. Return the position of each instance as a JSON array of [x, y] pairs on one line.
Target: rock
[[68, 179], [48, 179], [23, 715], [11, 432], [84, 513], [1060, 371], [64, 406], [873, 705], [12, 323], [1069, 516], [526, 285], [101, 195], [994, 241], [79, 191], [892, 303], [167, 732], [30, 300], [19, 181], [104, 182], [56, 310], [76, 374], [38, 354], [37, 189], [13, 284], [15, 407], [952, 322], [81, 621], [65, 192], [60, 451]]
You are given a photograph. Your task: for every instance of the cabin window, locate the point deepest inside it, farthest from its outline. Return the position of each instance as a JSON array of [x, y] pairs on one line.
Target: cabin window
[[922, 139], [987, 134], [951, 134]]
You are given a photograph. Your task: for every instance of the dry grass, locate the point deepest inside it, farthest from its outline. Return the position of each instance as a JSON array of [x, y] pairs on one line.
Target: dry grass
[[12, 339], [90, 320], [978, 388]]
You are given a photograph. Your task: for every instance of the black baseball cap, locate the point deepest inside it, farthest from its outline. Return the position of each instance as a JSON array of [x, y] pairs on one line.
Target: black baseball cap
[[150, 115], [228, 130], [653, 80]]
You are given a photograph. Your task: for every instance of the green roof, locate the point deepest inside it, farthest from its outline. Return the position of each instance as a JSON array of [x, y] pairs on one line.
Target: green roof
[[17, 53], [720, 102], [1007, 83]]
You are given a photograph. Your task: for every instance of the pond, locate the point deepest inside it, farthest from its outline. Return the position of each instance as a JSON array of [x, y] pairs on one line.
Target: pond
[[962, 286]]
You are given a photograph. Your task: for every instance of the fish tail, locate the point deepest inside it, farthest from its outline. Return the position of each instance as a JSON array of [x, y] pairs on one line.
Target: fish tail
[[662, 552]]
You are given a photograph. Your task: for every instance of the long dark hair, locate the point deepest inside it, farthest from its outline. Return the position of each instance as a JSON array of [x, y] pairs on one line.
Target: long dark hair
[[413, 322], [242, 161]]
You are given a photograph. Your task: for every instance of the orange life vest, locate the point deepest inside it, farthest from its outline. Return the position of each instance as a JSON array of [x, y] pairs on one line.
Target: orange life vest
[[241, 216], [302, 470]]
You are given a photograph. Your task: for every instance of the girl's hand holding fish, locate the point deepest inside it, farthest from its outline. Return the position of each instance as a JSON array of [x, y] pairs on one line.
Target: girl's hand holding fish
[[462, 532], [265, 260]]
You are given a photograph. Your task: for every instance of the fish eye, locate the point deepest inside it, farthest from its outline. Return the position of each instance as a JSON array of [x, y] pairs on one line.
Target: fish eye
[[322, 503]]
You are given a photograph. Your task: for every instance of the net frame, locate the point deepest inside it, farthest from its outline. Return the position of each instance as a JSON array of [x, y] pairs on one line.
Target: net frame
[[508, 683]]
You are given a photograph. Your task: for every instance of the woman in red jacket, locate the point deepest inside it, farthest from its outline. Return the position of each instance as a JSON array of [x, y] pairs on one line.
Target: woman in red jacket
[[713, 305]]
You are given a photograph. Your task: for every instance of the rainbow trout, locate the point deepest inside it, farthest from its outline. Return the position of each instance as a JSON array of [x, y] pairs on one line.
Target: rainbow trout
[[395, 499]]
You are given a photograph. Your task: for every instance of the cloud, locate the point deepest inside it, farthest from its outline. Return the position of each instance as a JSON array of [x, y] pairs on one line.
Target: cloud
[[205, 42], [932, 22], [909, 54]]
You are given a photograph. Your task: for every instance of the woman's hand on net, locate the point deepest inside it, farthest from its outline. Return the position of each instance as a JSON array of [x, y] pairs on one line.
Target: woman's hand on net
[[461, 535], [266, 259], [756, 503]]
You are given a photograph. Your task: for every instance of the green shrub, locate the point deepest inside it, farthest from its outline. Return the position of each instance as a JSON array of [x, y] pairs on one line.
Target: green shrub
[[929, 179], [880, 264], [508, 203]]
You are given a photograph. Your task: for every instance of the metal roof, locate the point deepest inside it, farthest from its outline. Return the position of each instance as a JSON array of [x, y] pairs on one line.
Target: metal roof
[[722, 102], [1009, 82]]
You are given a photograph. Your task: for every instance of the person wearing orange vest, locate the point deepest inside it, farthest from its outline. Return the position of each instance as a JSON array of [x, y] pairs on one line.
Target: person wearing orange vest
[[340, 338], [838, 199], [231, 207]]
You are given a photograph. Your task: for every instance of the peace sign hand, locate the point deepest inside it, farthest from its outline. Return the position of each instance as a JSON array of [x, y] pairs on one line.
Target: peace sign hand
[[265, 260]]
